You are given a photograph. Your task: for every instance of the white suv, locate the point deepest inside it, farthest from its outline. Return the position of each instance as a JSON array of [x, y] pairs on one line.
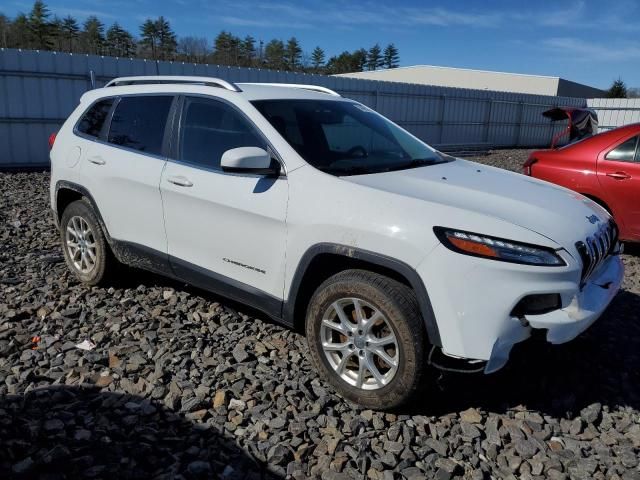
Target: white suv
[[331, 219]]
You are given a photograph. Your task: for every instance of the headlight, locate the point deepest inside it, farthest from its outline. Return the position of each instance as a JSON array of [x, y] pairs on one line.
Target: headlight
[[484, 246]]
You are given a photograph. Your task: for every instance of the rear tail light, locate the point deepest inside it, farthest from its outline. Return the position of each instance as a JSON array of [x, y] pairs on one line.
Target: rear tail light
[[527, 167], [52, 140]]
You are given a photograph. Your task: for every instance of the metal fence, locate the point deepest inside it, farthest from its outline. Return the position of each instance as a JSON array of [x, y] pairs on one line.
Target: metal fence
[[38, 90], [615, 112]]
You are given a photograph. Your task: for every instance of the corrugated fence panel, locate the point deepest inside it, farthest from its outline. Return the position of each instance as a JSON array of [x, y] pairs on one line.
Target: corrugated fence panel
[[38, 90], [615, 112]]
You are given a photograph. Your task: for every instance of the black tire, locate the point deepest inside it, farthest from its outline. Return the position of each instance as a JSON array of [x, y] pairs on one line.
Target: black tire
[[398, 304], [105, 262]]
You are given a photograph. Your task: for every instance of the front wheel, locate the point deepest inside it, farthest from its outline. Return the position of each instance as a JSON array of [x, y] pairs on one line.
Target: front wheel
[[367, 339]]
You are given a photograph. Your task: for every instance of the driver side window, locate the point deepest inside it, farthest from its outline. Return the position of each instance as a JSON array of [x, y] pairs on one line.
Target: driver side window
[[209, 128]]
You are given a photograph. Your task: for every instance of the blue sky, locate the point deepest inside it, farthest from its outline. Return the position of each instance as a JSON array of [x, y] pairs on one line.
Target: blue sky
[[591, 42]]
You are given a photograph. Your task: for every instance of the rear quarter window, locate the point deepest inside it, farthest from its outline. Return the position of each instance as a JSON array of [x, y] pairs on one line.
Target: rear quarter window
[[139, 122], [625, 152], [93, 120]]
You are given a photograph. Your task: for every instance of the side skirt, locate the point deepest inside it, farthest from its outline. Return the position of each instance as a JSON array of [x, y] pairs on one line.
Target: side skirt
[[146, 258]]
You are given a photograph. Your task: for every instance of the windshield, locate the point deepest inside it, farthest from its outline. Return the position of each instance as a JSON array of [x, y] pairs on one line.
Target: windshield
[[346, 138]]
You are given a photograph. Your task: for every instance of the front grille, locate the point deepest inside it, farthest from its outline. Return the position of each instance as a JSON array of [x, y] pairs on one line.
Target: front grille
[[594, 249]]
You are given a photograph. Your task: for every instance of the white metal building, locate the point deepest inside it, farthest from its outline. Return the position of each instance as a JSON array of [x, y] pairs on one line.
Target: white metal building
[[481, 80]]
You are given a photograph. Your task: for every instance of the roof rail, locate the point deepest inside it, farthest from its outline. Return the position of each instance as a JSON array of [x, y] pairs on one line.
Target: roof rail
[[167, 79], [315, 88]]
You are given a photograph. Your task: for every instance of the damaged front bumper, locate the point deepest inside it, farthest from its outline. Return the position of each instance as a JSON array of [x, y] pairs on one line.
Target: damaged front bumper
[[563, 325]]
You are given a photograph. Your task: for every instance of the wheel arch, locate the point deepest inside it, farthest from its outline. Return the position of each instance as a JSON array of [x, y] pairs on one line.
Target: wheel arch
[[68, 192], [323, 260]]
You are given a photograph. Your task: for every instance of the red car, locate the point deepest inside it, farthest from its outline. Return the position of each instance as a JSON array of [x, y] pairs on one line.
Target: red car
[[603, 167]]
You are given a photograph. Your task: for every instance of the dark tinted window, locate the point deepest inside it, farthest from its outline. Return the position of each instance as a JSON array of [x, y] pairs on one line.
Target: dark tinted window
[[624, 152], [139, 123], [210, 128], [92, 121]]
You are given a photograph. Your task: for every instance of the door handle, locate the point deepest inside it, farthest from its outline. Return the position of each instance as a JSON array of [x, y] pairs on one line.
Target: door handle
[[180, 181], [619, 175], [97, 160]]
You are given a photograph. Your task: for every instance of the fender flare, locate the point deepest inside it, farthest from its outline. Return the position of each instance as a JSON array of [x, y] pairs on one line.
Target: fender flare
[[378, 259]]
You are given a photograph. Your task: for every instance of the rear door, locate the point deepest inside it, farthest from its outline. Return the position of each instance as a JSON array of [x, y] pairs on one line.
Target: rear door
[[619, 176], [122, 171], [225, 231]]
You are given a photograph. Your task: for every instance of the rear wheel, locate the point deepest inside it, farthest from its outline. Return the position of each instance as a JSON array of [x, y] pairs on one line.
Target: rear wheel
[[86, 251], [366, 337]]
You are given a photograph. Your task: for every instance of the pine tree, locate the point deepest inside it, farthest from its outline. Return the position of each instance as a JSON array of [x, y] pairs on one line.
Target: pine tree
[[293, 54], [274, 55], [391, 57], [57, 34], [359, 60], [317, 59], [5, 26], [618, 89], [167, 43], [39, 26], [70, 32], [5, 30], [247, 51], [93, 35], [374, 57], [19, 35], [119, 42], [149, 38], [226, 49]]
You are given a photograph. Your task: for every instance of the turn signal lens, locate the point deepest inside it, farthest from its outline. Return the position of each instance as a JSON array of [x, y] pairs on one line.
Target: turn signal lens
[[473, 247], [498, 249]]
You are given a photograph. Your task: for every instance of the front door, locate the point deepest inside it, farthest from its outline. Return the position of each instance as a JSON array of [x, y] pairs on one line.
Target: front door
[[226, 232]]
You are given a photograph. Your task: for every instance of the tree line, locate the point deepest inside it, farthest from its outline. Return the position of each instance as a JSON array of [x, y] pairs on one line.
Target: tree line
[[41, 30]]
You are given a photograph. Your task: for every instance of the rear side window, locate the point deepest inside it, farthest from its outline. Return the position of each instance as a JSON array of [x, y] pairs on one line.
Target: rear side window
[[625, 152], [139, 123], [93, 120], [210, 128]]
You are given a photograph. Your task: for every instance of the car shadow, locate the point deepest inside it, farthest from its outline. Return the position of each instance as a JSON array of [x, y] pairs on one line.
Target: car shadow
[[632, 249], [81, 432], [600, 366], [132, 277]]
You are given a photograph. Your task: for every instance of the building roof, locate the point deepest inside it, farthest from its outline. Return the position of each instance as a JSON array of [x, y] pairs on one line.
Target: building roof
[[480, 80]]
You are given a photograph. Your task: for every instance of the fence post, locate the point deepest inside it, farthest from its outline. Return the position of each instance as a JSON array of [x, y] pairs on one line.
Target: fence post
[[488, 120], [519, 123], [443, 99]]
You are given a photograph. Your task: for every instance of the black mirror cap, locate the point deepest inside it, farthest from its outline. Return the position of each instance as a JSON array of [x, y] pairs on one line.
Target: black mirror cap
[[273, 170]]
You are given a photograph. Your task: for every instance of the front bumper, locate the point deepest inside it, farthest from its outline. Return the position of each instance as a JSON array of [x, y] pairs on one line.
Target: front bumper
[[473, 302]]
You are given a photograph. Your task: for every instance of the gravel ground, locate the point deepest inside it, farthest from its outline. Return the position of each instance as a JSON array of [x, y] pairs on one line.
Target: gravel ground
[[182, 384]]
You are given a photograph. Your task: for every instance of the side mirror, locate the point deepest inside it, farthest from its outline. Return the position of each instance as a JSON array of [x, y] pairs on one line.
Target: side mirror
[[252, 160]]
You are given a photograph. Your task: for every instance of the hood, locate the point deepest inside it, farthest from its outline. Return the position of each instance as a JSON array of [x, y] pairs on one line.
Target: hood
[[561, 215]]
